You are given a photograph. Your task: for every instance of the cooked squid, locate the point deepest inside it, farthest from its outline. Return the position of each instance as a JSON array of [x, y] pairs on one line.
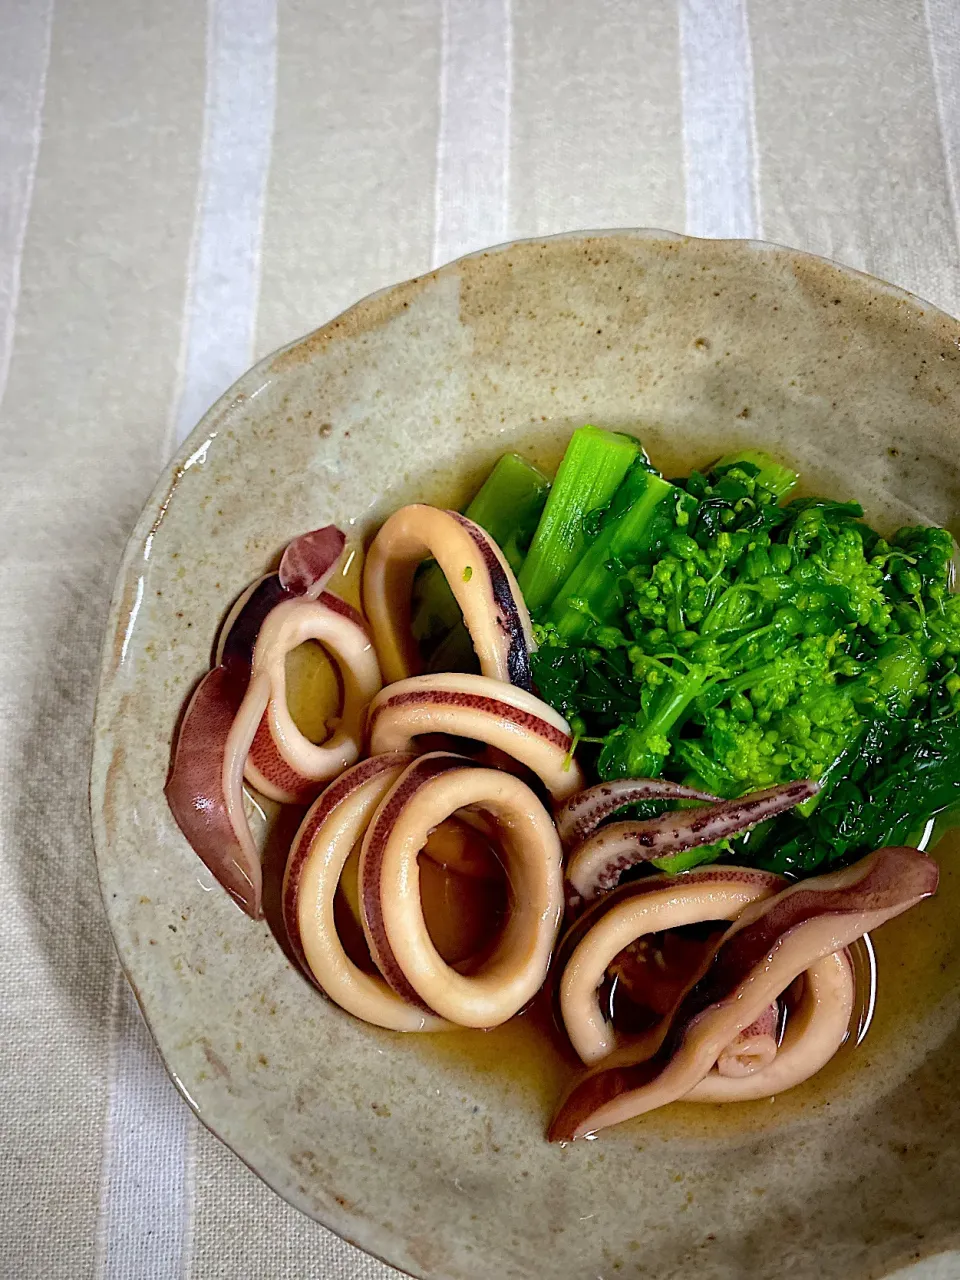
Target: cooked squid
[[205, 786], [431, 789], [755, 1065], [425, 889], [763, 952], [598, 863], [481, 709], [282, 763], [331, 828], [480, 578], [649, 906], [754, 1048], [578, 817]]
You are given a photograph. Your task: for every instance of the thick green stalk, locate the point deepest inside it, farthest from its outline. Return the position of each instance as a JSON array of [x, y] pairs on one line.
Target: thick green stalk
[[645, 511], [590, 473], [508, 505]]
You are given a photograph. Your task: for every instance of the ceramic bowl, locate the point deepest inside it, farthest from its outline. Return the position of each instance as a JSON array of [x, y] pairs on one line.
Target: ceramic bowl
[[430, 1152]]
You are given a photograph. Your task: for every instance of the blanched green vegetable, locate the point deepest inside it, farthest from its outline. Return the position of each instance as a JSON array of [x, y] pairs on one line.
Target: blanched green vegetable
[[905, 774], [594, 464], [744, 644], [646, 512], [509, 505]]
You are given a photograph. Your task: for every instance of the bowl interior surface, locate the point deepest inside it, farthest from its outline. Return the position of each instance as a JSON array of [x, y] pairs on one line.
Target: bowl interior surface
[[432, 1157]]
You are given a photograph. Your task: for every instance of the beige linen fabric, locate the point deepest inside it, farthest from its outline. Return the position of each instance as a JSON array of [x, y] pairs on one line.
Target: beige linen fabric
[[184, 188]]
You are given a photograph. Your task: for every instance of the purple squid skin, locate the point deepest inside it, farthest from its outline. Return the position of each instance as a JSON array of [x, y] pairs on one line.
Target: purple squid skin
[[580, 816], [807, 918], [597, 864]]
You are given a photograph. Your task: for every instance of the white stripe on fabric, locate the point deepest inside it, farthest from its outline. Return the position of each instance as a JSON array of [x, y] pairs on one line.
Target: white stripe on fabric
[[473, 138], [224, 284], [943, 32], [719, 120], [24, 59], [142, 1221], [145, 1215]]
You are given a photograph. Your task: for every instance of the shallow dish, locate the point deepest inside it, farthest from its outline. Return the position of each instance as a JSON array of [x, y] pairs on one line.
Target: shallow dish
[[431, 1154]]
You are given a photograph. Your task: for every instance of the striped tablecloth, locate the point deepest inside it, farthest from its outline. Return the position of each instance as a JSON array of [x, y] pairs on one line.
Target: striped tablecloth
[[183, 188]]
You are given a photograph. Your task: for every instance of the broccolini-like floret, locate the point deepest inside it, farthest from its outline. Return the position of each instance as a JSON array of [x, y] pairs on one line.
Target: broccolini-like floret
[[700, 629], [740, 492], [760, 642], [639, 747], [922, 559], [802, 738]]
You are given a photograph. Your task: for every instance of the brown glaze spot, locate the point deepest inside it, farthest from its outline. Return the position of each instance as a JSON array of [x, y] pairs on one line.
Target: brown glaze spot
[[113, 785], [366, 317], [218, 1064]]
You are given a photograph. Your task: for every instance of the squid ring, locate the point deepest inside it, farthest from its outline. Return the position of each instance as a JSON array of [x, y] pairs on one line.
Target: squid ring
[[282, 763], [657, 904], [204, 787], [329, 831], [433, 788], [771, 944], [485, 710], [815, 1029], [479, 577]]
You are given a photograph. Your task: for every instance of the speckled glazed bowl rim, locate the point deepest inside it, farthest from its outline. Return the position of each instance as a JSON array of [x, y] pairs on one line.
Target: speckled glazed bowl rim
[[121, 621]]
